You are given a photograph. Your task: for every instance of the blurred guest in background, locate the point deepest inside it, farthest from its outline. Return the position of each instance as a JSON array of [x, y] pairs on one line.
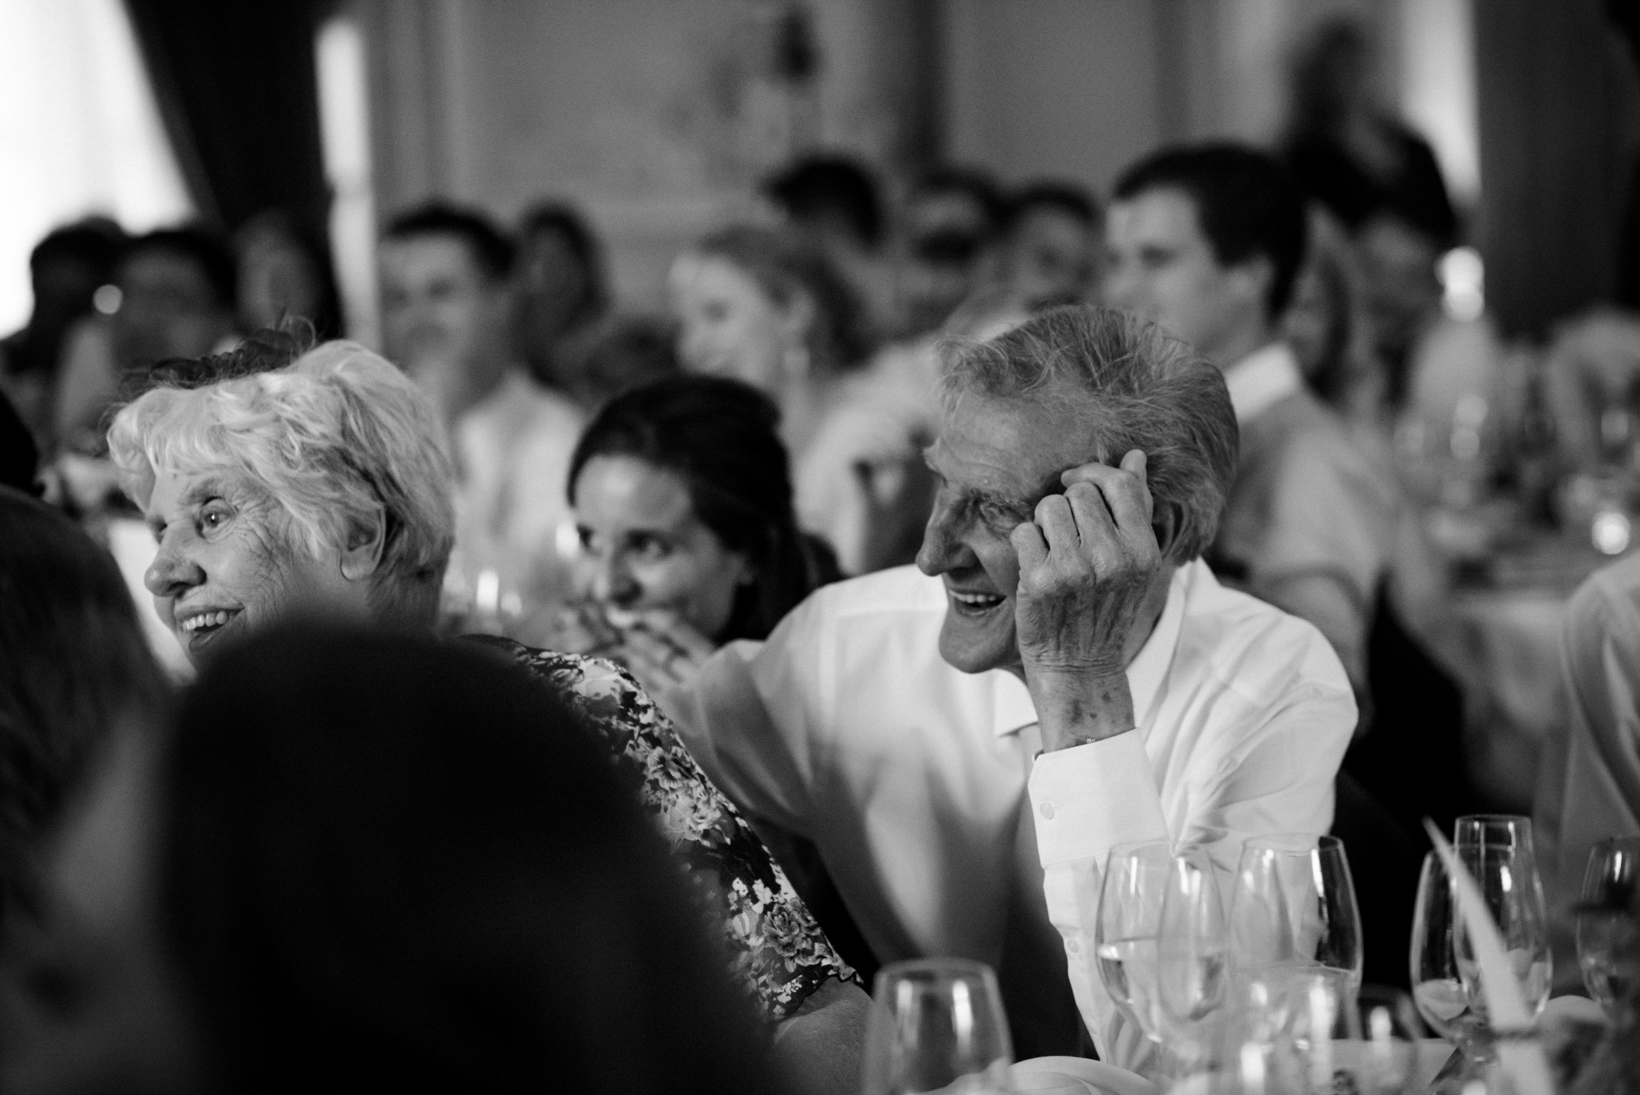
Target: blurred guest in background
[[764, 307], [1330, 333], [279, 481], [283, 273], [19, 456], [65, 271], [1351, 152], [447, 307], [1052, 236], [1207, 241], [74, 668], [1592, 377], [683, 501], [177, 299], [948, 232], [563, 293], [1063, 641], [1589, 785], [833, 201], [378, 860], [626, 352]]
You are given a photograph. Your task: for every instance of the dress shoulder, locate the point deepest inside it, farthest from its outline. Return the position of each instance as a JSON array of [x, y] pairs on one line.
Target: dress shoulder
[[775, 946]]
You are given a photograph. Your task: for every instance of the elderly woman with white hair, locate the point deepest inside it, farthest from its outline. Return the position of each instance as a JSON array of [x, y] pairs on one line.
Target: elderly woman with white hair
[[280, 482]]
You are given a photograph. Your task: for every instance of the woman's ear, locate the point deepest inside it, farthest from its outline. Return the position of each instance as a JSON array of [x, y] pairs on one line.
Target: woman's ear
[[366, 540]]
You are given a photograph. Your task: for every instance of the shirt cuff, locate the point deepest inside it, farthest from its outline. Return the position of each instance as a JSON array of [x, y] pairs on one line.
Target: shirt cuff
[[1090, 798]]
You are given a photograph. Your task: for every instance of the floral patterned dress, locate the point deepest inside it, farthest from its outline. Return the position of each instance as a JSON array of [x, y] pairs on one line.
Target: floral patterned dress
[[776, 949]]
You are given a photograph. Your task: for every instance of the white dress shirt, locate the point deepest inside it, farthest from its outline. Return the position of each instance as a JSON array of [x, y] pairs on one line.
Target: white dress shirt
[[847, 726], [1262, 379]]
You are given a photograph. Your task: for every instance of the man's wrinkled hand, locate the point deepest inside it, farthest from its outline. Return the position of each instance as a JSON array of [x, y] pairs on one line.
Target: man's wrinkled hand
[[1086, 565]]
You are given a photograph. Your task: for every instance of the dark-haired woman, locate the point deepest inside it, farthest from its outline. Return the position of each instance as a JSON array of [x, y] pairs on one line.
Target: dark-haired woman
[[683, 500]]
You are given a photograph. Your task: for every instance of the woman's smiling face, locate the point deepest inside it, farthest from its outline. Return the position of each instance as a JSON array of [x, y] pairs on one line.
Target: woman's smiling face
[[230, 558], [646, 547]]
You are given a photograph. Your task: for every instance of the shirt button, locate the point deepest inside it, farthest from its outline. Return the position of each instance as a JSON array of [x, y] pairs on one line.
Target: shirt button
[[1047, 810], [1072, 945]]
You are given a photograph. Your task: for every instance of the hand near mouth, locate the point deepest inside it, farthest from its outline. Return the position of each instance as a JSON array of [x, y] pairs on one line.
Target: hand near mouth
[[1088, 568]]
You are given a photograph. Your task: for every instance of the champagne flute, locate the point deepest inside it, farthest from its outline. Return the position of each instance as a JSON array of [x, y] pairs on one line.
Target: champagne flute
[[937, 1024], [1294, 918], [1497, 851], [1608, 922]]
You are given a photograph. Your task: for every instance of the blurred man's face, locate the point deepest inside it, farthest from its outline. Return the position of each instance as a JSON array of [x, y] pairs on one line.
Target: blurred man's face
[[1162, 266], [946, 241], [1053, 255], [1398, 281], [167, 309], [443, 321]]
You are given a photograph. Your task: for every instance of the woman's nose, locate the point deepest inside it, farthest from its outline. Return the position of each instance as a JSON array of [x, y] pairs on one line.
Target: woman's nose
[[612, 582], [172, 571]]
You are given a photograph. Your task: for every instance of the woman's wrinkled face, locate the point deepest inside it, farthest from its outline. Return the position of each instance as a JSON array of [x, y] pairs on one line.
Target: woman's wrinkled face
[[229, 559], [646, 548], [728, 325]]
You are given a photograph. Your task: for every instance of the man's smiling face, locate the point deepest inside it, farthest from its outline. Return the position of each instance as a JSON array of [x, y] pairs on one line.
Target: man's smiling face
[[995, 459]]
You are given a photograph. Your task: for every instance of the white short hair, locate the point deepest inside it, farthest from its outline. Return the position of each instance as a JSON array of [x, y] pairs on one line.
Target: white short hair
[[338, 436]]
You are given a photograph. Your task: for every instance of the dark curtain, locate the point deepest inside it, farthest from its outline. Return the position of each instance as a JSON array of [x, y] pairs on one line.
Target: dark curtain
[[237, 88]]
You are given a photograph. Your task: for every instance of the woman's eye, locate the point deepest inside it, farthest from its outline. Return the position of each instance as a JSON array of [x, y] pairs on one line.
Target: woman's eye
[[650, 547], [214, 516]]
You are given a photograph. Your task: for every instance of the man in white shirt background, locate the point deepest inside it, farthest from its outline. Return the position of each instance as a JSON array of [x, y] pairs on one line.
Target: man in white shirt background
[[447, 306], [1062, 636], [1206, 241]]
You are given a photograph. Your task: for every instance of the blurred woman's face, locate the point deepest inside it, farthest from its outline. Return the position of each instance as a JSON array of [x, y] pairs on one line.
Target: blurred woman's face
[[729, 325], [229, 560], [647, 549]]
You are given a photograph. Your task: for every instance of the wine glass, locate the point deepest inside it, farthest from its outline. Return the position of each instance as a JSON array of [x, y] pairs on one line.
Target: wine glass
[[1608, 921], [1437, 986], [1294, 918], [1162, 945], [1496, 850], [937, 1024]]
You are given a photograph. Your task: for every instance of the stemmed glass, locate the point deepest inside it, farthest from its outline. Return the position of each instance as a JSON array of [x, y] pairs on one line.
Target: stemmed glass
[[937, 1024], [1294, 919], [1497, 852], [1162, 945], [1608, 922]]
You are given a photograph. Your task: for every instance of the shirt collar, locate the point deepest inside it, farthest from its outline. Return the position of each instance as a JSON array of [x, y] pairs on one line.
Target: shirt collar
[[1262, 379], [1012, 709]]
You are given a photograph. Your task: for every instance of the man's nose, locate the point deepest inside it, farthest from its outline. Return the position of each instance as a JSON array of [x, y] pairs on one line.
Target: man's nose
[[942, 548], [172, 572]]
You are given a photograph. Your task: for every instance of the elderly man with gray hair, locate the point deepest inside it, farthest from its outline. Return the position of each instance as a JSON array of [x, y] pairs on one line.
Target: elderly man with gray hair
[[966, 744]]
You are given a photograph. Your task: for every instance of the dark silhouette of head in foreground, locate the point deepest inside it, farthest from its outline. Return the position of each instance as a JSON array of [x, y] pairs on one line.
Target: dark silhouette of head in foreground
[[395, 865]]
